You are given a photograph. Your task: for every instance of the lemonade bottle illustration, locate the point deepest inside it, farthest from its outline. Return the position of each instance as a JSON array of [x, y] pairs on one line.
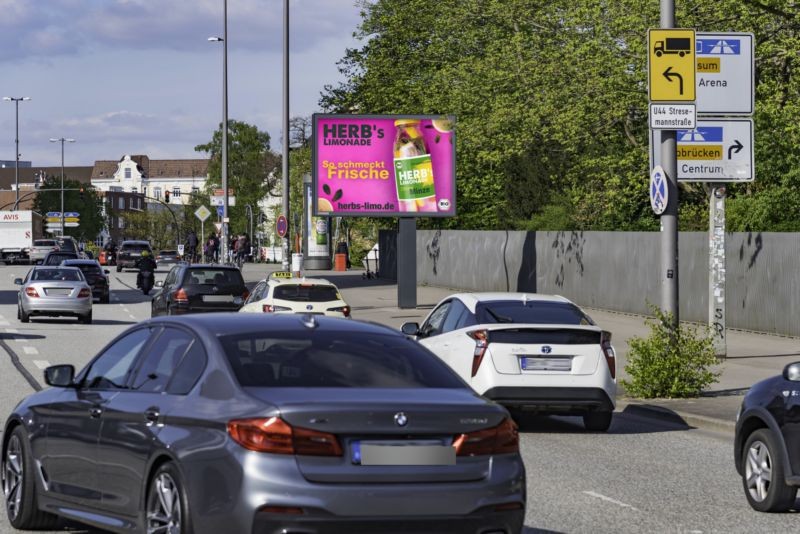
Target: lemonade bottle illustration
[[413, 171]]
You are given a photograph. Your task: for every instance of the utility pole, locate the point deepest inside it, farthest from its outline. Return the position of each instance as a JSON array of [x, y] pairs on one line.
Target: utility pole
[[62, 140], [16, 101], [285, 167]]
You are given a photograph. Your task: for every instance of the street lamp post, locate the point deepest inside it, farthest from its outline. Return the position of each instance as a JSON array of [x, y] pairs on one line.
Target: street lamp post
[[16, 101], [285, 166], [62, 140], [224, 41]]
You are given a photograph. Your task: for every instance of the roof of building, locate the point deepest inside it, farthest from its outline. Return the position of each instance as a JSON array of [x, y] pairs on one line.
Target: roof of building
[[27, 175], [154, 168]]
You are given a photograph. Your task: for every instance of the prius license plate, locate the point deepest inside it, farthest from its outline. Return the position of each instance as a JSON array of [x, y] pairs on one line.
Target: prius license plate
[[551, 363]]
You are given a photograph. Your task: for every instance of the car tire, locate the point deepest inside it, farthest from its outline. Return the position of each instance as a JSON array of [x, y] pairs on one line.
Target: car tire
[[105, 299], [86, 319], [23, 317], [598, 421], [763, 474], [19, 486], [119, 268], [166, 486]]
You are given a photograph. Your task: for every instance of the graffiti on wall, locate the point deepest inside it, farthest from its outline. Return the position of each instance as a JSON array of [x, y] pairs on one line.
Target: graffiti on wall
[[568, 248]]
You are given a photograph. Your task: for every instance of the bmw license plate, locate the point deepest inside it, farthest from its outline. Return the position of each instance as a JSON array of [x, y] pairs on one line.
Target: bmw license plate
[[551, 363], [426, 452], [217, 298]]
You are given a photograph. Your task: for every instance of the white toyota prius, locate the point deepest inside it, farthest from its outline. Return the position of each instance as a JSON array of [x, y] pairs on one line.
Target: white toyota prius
[[282, 292], [528, 352]]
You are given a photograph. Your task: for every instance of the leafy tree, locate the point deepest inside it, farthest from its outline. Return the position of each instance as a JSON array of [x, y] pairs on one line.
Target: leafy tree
[[87, 203], [252, 168], [156, 226]]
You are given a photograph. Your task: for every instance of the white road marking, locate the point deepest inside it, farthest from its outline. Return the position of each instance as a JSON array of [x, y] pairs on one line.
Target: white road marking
[[609, 499], [4, 323], [12, 330], [41, 364], [126, 310], [30, 350], [131, 316]]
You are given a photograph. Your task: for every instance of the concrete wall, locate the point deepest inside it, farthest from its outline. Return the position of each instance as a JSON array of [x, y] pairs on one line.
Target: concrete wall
[[621, 270]]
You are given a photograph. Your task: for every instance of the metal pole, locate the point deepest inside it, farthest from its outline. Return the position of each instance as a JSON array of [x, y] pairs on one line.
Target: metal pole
[[62, 187], [285, 168], [669, 219], [16, 152], [716, 270], [225, 131]]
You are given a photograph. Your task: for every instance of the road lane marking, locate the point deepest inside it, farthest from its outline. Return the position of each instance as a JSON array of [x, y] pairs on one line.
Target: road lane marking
[[41, 364], [30, 350], [126, 310], [609, 499], [131, 316], [4, 323], [12, 330]]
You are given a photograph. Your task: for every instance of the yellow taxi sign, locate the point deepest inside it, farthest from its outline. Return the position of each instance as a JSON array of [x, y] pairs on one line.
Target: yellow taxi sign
[[671, 65], [281, 274]]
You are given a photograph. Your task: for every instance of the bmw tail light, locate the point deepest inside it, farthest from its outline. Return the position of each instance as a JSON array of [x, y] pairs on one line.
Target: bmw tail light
[[608, 352], [180, 296], [31, 292], [481, 338], [504, 438], [276, 436], [85, 293], [341, 309]]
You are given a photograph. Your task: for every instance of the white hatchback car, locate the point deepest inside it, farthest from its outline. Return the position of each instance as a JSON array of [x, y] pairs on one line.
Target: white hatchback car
[[283, 293], [528, 352]]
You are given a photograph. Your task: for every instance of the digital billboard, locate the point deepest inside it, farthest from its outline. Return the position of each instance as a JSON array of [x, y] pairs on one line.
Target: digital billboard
[[384, 165]]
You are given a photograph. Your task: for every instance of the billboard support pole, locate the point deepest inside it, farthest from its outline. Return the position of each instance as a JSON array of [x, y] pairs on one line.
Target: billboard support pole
[[407, 263]]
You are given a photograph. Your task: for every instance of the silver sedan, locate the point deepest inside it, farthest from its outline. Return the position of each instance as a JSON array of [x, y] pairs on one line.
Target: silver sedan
[[54, 291]]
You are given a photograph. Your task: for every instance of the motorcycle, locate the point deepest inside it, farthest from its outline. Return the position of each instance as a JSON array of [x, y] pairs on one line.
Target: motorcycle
[[146, 281], [111, 257]]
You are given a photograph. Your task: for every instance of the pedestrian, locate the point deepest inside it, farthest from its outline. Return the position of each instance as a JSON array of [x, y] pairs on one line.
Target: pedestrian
[[211, 248], [191, 246]]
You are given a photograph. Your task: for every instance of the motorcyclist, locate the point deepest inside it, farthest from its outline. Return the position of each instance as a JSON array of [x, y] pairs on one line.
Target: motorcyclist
[[111, 251], [145, 264]]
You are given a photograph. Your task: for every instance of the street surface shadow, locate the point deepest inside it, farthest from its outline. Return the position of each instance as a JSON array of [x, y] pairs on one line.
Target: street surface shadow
[[20, 337], [8, 297], [347, 281], [533, 530], [621, 424], [129, 296]]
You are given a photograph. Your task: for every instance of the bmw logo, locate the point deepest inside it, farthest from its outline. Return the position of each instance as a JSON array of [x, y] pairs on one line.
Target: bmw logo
[[400, 419], [547, 349]]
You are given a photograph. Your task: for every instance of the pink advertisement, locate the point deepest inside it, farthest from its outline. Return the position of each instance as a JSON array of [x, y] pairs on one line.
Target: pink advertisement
[[386, 165]]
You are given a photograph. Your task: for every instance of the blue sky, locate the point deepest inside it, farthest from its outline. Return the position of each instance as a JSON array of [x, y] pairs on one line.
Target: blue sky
[[139, 76]]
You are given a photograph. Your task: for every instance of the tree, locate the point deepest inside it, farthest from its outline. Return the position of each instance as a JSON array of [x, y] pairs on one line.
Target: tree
[[155, 226], [252, 168], [78, 197]]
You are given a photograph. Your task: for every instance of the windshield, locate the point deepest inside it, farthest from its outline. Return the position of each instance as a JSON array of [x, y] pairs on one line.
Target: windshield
[[44, 243], [330, 359], [306, 293], [216, 277], [530, 312]]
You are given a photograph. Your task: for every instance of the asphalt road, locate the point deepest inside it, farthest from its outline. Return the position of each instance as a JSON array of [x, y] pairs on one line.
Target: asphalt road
[[642, 476]]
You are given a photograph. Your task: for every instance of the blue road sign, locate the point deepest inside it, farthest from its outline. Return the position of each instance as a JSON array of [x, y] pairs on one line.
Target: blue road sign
[[220, 210], [54, 214], [658, 190], [71, 214]]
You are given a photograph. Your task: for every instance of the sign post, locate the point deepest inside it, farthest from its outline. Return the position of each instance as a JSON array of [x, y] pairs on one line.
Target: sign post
[[202, 213]]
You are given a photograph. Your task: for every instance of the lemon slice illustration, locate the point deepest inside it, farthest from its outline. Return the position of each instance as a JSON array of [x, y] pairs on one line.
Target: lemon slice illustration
[[442, 125], [324, 205]]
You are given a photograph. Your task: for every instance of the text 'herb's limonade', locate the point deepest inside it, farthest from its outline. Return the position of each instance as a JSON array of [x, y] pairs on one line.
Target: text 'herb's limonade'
[[413, 170]]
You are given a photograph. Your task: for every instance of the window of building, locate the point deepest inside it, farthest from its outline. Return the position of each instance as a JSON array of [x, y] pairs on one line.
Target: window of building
[[121, 202], [157, 192], [144, 190], [195, 190], [134, 190], [128, 173], [121, 222], [176, 192]]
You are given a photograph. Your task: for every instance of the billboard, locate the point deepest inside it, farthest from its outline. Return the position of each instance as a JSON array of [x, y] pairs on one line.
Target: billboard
[[384, 165]]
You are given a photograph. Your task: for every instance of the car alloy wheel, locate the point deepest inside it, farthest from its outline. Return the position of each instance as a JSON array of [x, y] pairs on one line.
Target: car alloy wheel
[[763, 474], [13, 472], [164, 503]]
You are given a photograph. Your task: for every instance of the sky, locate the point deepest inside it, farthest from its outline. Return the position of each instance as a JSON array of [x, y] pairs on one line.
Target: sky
[[140, 76]]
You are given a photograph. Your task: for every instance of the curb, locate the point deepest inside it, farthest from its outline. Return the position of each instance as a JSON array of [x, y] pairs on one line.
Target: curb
[[681, 418]]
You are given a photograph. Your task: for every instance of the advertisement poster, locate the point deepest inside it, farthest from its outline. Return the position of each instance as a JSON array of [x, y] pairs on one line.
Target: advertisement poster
[[384, 165]]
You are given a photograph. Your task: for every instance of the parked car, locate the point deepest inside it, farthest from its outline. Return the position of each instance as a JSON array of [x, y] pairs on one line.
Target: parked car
[[40, 249], [197, 288], [283, 293], [767, 443], [130, 252], [95, 276], [166, 258], [237, 423], [54, 291], [55, 257], [530, 352]]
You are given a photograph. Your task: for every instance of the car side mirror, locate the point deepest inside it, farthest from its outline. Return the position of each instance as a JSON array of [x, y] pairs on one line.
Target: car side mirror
[[159, 283], [18, 281], [410, 329], [61, 376], [106, 271], [792, 372]]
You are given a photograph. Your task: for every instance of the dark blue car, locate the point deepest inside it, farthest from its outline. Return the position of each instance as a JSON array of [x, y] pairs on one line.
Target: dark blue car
[[767, 442]]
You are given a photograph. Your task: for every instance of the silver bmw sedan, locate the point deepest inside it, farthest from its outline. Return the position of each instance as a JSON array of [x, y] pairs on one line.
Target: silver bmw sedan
[[244, 423]]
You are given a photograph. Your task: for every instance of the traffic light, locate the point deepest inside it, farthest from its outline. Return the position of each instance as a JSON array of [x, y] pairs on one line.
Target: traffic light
[[81, 193], [166, 197]]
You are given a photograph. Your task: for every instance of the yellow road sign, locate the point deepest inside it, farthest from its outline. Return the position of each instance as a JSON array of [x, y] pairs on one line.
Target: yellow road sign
[[672, 64], [72, 219]]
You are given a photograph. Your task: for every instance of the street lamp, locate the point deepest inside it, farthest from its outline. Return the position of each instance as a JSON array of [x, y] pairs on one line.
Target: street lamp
[[224, 41], [62, 140], [16, 101]]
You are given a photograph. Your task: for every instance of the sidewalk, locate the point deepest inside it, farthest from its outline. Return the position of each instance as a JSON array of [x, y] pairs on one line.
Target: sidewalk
[[751, 356]]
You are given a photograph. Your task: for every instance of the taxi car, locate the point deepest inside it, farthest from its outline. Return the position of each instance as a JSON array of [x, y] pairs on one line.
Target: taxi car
[[282, 292]]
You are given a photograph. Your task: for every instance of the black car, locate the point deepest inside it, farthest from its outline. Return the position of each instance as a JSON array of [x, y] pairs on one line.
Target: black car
[[197, 288], [95, 276], [55, 257], [233, 423], [130, 252], [165, 258], [767, 441]]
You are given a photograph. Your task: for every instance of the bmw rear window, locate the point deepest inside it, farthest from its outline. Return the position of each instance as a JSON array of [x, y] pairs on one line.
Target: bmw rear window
[[331, 359], [215, 277], [530, 312], [305, 293]]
